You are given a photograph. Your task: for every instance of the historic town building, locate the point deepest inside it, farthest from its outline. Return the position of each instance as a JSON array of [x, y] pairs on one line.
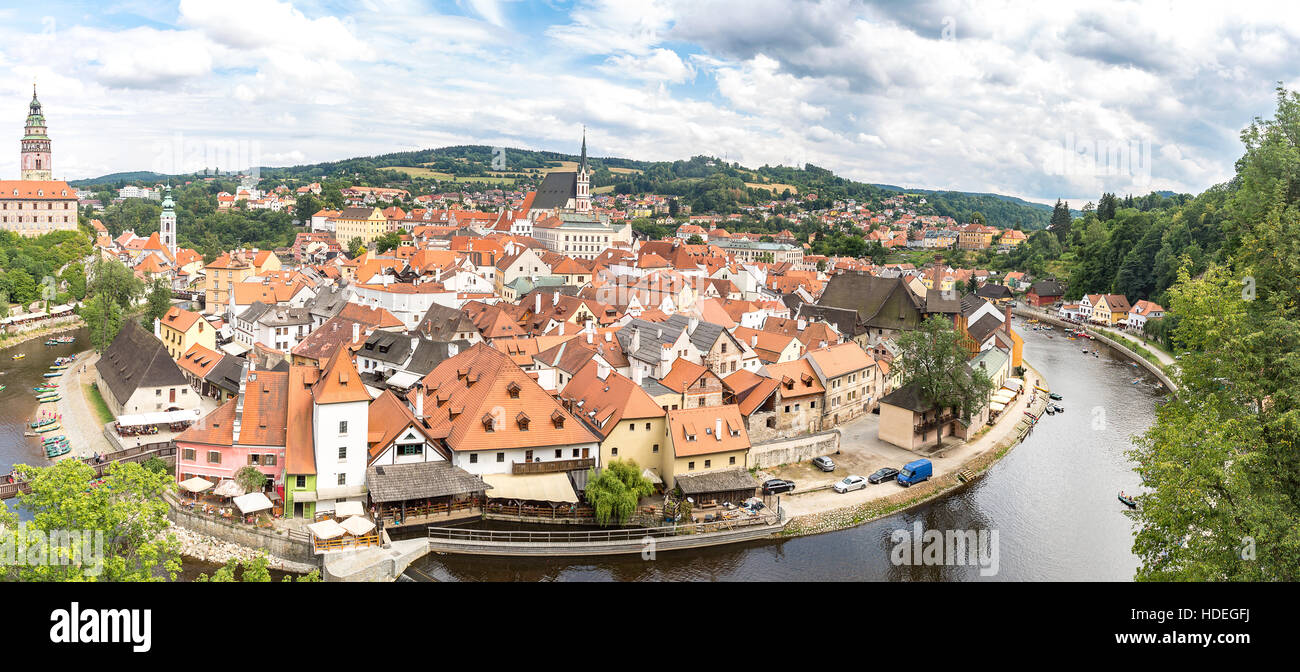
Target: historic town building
[[36, 204]]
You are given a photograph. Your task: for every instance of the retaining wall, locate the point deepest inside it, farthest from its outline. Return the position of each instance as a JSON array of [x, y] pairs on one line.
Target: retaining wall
[[797, 449], [280, 545]]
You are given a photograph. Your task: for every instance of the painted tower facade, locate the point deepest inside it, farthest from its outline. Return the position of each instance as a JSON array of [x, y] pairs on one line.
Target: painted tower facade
[[35, 161], [167, 223]]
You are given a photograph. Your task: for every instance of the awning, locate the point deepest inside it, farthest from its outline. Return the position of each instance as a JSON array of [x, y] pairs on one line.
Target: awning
[[158, 418], [344, 509], [235, 348], [652, 476], [1013, 383], [340, 492], [532, 487], [327, 529], [997, 407], [358, 525], [196, 484], [303, 495], [1003, 397], [252, 502], [228, 488], [402, 379]]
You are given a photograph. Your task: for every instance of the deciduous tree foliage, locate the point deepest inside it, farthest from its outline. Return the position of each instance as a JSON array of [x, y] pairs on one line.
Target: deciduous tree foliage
[[1221, 460], [615, 491], [934, 358]]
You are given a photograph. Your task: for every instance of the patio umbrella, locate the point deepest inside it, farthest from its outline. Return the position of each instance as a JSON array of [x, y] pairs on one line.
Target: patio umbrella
[[196, 484], [327, 529], [345, 509], [252, 502], [228, 488], [357, 525]]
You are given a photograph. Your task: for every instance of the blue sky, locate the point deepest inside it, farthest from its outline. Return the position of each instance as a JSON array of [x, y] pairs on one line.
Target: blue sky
[[992, 96]]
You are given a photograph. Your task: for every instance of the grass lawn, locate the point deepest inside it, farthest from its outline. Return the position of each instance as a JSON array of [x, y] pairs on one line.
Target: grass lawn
[[96, 402]]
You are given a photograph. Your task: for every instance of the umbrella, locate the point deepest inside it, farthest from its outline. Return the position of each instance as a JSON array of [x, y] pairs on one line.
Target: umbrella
[[228, 488], [358, 525], [252, 502], [327, 529], [196, 484], [345, 509]]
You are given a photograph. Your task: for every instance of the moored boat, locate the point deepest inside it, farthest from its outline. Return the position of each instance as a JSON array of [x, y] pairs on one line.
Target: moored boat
[[1128, 501], [48, 428], [20, 355], [53, 375]]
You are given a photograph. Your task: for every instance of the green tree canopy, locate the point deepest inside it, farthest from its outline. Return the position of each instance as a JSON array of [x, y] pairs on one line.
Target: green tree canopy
[[934, 358], [616, 490]]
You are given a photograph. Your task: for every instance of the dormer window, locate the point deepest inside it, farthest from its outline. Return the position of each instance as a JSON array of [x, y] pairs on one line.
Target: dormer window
[[522, 421], [557, 419], [513, 390], [489, 425]]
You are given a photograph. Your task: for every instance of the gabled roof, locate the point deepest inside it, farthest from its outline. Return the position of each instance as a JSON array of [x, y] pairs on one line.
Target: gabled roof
[[797, 378], [135, 359], [837, 360], [180, 320], [603, 402], [199, 361], [693, 430], [339, 382]]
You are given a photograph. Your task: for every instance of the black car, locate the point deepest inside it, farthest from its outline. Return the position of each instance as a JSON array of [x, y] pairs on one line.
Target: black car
[[886, 474], [776, 486]]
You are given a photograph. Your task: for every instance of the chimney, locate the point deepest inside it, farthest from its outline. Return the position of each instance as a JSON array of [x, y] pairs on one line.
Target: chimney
[[590, 338], [419, 402], [717, 429], [157, 328], [1006, 323], [636, 339], [415, 341], [694, 322], [803, 324], [555, 299], [356, 332], [537, 308], [636, 375], [753, 341]]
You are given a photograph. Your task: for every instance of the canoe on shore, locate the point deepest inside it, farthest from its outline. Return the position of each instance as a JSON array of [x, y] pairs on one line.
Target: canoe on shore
[[53, 375]]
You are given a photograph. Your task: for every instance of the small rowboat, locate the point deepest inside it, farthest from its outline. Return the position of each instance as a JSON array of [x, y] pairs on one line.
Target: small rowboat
[[48, 428], [53, 375], [54, 439], [1054, 396], [1128, 501], [44, 421], [20, 356], [50, 400]]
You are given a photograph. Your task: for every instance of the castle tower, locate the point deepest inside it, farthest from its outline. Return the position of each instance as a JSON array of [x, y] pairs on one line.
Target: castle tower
[[35, 161], [167, 223], [582, 201]]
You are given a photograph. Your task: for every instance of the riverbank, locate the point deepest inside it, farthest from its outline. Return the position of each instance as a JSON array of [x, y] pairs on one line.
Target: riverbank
[[10, 340], [975, 459]]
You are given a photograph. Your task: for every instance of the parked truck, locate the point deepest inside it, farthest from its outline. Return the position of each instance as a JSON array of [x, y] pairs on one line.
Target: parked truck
[[915, 472]]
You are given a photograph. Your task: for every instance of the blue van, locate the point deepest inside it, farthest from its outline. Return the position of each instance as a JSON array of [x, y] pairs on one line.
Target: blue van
[[915, 472]]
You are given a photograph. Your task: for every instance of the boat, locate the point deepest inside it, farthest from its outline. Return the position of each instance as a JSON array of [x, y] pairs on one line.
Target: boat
[[45, 421], [58, 367], [44, 389], [51, 400], [48, 428], [54, 439], [1054, 396], [1059, 408], [20, 355], [2, 388], [57, 452], [1128, 501], [1051, 410], [53, 375]]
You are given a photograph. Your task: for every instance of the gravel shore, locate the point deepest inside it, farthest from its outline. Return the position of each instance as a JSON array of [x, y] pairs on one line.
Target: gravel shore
[[209, 549]]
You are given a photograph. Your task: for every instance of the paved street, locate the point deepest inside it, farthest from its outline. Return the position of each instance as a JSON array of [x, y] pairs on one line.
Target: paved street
[[80, 424]]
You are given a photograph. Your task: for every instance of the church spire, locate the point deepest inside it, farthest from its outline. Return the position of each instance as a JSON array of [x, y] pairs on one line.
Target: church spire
[[34, 160], [582, 166]]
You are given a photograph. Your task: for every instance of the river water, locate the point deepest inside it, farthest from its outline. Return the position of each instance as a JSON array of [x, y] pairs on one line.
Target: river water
[[18, 402], [1051, 501]]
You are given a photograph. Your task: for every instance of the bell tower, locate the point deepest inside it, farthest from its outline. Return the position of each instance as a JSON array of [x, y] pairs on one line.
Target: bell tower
[[167, 224], [582, 199], [35, 160]]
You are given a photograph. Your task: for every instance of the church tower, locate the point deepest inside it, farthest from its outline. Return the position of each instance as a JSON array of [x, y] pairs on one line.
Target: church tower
[[167, 224], [35, 160], [582, 199]]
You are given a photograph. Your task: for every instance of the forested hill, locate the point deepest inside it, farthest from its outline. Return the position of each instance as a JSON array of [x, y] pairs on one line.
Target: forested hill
[[707, 184]]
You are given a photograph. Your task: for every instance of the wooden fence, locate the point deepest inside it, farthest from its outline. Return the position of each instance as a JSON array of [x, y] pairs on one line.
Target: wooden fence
[[164, 450]]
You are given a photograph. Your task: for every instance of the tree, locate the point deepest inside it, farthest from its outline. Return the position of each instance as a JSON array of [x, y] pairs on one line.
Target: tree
[[128, 510], [386, 242], [159, 301], [616, 490], [74, 274], [695, 239], [250, 479], [113, 279], [1221, 460], [355, 247], [103, 318], [934, 358], [1060, 222]]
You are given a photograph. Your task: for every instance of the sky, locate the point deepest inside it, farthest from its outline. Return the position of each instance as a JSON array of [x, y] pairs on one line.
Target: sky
[[1037, 100]]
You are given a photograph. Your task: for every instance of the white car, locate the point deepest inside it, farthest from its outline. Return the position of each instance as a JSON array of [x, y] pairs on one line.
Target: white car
[[851, 483]]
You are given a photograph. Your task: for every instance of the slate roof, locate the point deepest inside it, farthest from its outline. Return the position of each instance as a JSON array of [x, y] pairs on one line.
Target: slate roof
[[1049, 287], [135, 359], [983, 328], [442, 323], [881, 303], [556, 190], [725, 480]]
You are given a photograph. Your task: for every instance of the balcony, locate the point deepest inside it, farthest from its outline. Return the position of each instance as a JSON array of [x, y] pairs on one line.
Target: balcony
[[552, 466], [933, 422]]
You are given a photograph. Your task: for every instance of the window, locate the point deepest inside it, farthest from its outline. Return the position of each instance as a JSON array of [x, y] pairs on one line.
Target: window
[[655, 449], [647, 426], [343, 428], [343, 453], [501, 457], [188, 454], [559, 453], [300, 482], [343, 479], [575, 452], [473, 458], [690, 466], [733, 460], [214, 457], [708, 463]]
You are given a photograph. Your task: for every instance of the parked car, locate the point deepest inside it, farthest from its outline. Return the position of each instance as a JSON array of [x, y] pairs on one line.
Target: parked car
[[824, 463], [886, 474], [915, 472], [776, 486], [851, 483]]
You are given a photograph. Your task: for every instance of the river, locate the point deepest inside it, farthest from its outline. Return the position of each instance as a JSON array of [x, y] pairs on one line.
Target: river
[[18, 402], [1051, 501]]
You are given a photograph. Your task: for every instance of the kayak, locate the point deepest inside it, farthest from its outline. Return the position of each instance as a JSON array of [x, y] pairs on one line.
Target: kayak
[[1128, 501], [44, 421], [19, 356], [48, 428], [53, 375]]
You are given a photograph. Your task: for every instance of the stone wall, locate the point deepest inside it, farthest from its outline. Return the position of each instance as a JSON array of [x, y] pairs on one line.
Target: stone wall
[[274, 543], [796, 449]]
